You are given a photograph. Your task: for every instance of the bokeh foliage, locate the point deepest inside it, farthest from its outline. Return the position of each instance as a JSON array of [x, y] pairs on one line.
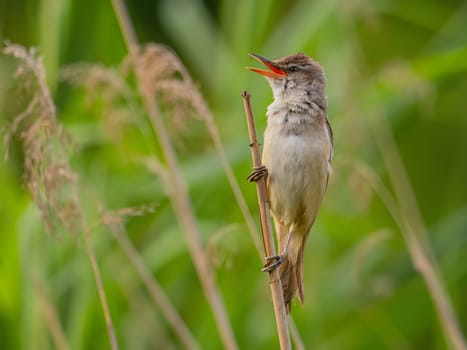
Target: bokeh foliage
[[388, 63]]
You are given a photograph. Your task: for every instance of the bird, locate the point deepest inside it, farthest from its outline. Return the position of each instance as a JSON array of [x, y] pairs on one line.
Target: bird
[[298, 147]]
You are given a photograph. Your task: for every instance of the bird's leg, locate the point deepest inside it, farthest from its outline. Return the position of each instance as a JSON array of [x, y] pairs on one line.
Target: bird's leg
[[257, 173], [273, 262]]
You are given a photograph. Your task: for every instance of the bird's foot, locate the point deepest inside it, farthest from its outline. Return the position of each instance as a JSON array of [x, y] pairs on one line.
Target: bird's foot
[[258, 173], [273, 262]]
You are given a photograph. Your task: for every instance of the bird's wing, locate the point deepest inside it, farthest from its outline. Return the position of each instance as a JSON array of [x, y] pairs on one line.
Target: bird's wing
[[331, 153], [331, 137]]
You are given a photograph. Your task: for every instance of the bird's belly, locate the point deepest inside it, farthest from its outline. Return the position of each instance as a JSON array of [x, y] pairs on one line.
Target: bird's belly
[[298, 172]]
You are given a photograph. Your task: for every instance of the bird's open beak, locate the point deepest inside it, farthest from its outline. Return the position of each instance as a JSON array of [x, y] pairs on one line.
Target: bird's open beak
[[274, 72]]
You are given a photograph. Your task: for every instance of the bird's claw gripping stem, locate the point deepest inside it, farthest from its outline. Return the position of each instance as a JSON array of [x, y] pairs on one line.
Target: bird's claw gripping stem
[[273, 262], [258, 173]]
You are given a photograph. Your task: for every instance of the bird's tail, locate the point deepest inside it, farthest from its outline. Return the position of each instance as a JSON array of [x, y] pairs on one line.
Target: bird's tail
[[291, 269]]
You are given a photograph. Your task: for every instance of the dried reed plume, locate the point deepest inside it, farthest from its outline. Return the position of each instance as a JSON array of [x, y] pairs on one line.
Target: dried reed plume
[[166, 78], [108, 86], [162, 77], [47, 173], [155, 69]]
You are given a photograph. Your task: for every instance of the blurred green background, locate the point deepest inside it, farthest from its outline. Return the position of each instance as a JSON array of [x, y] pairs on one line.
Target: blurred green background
[[396, 68]]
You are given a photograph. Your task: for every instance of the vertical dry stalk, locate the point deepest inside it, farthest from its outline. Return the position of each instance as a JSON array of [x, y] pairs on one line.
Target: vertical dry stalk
[[214, 133], [415, 233], [299, 345], [100, 286], [50, 315], [155, 290], [177, 192], [131, 41], [232, 181], [184, 213], [47, 172], [266, 230]]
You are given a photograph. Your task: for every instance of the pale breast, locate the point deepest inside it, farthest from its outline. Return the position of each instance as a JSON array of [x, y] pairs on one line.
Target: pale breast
[[296, 152]]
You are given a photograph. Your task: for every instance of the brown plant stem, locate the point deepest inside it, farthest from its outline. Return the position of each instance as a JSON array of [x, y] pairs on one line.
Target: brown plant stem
[[178, 193], [416, 233], [185, 216], [50, 315], [266, 230], [100, 285], [297, 340], [214, 133], [155, 290]]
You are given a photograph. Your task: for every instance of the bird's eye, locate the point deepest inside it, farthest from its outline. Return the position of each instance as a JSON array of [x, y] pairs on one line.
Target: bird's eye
[[293, 68]]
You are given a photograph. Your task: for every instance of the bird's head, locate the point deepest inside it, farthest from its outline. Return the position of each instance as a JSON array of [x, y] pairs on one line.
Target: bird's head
[[292, 75]]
